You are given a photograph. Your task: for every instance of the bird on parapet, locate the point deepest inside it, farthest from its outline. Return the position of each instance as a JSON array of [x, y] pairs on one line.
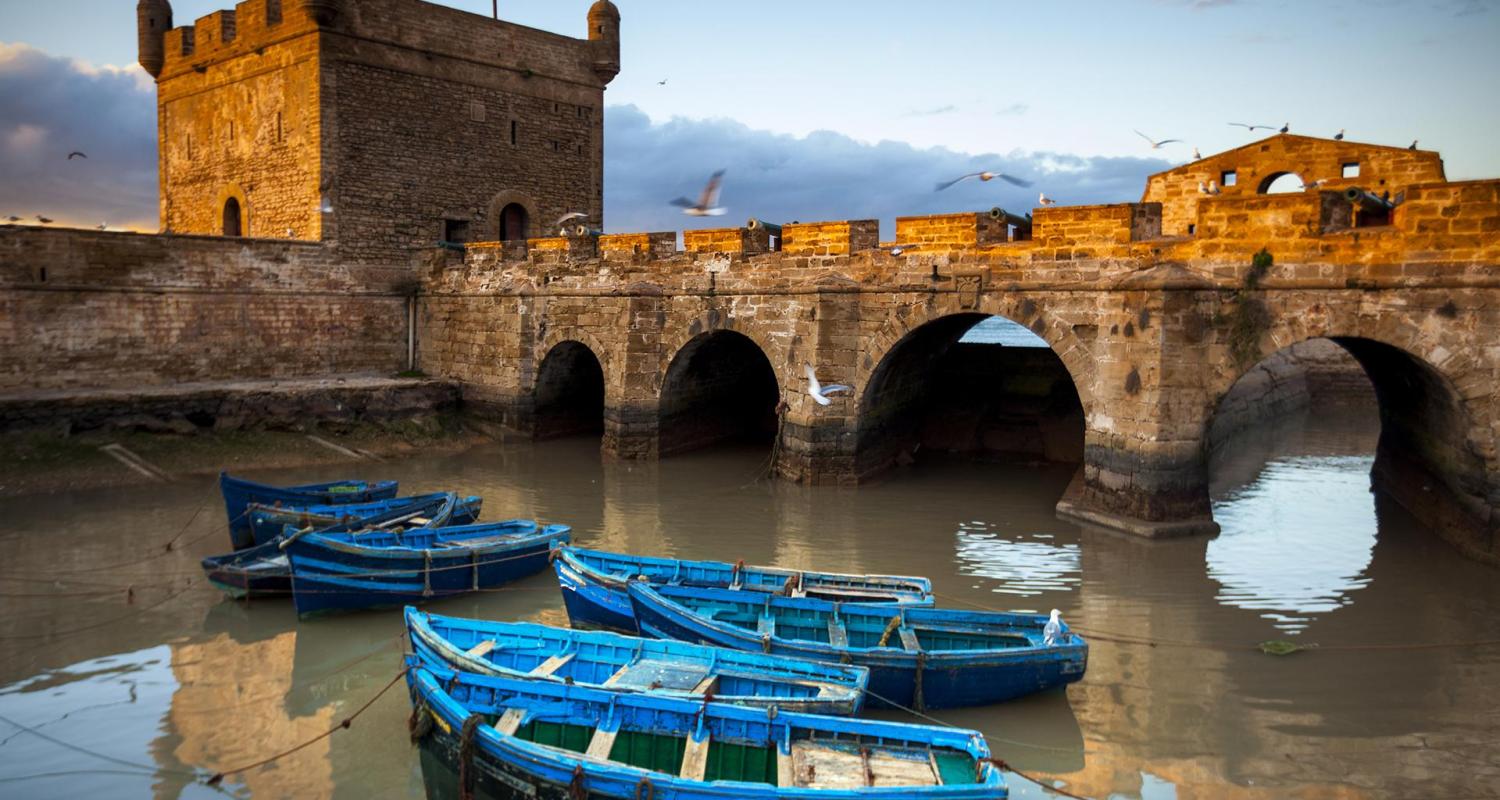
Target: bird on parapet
[[1196, 155], [1286, 127], [897, 249], [1413, 145], [1253, 128], [820, 392], [1156, 145], [1212, 188], [1043, 199], [1339, 137], [985, 177], [708, 203]]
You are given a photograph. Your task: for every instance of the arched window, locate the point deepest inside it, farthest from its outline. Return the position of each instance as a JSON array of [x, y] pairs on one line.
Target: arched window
[[232, 226], [1281, 183], [513, 222]]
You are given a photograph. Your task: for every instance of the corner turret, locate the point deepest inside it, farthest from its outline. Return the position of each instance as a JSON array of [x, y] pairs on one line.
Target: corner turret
[[604, 33], [324, 12], [153, 18]]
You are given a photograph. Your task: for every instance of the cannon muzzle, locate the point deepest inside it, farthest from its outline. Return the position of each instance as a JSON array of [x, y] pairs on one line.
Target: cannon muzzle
[[1366, 200], [1022, 224], [761, 225], [584, 230]]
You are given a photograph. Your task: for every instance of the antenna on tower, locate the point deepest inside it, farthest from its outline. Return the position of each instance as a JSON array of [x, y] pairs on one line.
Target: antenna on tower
[[495, 8]]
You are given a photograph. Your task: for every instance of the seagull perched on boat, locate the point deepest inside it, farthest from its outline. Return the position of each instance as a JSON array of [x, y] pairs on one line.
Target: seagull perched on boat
[[708, 203], [985, 177], [77, 154], [1253, 128], [820, 392], [1053, 631], [1155, 145], [1043, 199], [1339, 137]]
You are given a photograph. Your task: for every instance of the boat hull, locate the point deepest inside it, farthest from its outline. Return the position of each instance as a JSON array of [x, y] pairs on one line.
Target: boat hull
[[592, 605], [268, 523], [259, 570], [239, 494]]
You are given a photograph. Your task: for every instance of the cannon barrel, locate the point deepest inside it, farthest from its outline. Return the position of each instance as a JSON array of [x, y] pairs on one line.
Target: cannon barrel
[[769, 227], [584, 230], [1367, 200], [1009, 218]]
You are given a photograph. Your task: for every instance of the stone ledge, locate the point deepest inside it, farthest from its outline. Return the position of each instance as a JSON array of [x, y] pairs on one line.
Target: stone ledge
[[1147, 529]]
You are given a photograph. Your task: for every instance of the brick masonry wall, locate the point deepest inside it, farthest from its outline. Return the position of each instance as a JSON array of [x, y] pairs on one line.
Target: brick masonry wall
[[86, 309]]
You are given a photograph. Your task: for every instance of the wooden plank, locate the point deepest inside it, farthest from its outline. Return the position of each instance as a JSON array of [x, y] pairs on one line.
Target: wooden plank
[[909, 639], [786, 772], [481, 650], [709, 682], [552, 664], [510, 721], [615, 678], [695, 759], [602, 743]]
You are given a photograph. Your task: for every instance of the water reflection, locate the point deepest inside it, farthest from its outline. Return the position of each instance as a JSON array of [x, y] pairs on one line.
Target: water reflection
[[1023, 565]]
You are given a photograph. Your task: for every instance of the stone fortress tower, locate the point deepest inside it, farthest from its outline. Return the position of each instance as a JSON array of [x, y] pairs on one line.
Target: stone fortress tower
[[380, 126]]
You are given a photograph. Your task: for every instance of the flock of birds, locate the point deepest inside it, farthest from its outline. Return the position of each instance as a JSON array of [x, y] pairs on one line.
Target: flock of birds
[[12, 219]]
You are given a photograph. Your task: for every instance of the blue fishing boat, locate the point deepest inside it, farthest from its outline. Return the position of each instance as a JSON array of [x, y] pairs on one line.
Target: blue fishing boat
[[920, 658], [265, 570], [334, 571], [593, 584], [631, 664], [267, 521], [239, 494], [484, 736]]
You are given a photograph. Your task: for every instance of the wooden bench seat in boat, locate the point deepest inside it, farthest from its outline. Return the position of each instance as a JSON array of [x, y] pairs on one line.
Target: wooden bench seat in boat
[[816, 765]]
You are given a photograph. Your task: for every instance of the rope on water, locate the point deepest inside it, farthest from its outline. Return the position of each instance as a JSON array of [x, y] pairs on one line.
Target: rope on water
[[148, 768], [53, 634], [998, 762], [218, 777]]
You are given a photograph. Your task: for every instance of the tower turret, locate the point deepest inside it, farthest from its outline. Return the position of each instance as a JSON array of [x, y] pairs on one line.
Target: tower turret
[[153, 18], [324, 12], [604, 32]]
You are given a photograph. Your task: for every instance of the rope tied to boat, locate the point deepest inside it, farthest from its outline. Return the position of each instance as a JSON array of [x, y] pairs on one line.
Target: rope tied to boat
[[645, 789], [466, 756], [916, 696], [419, 724], [1001, 764], [426, 573], [576, 789], [890, 628]]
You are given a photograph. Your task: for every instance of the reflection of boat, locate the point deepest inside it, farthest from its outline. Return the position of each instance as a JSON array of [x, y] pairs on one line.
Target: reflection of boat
[[241, 624], [625, 663], [334, 570], [267, 521], [918, 657], [491, 737], [240, 493], [593, 583]]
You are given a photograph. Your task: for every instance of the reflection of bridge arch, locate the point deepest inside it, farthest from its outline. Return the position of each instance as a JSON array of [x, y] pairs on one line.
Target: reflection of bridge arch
[[927, 389], [719, 386]]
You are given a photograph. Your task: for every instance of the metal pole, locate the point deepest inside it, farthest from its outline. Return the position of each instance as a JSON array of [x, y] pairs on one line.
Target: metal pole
[[495, 8]]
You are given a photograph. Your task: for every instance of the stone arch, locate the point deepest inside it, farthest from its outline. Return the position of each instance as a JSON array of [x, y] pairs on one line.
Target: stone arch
[[915, 372], [715, 320], [232, 198], [556, 336], [719, 385], [1434, 437], [568, 397], [1282, 182], [508, 197]]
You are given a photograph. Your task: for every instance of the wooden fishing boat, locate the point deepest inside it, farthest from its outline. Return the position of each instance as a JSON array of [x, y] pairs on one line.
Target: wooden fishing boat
[[484, 736], [918, 657], [630, 664], [593, 584], [240, 493], [267, 521], [265, 570], [333, 571]]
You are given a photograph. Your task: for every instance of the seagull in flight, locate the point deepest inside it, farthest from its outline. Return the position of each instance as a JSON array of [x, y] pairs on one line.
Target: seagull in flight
[[103, 226], [1155, 145], [77, 154], [1253, 128], [1043, 199], [12, 218], [820, 392], [1053, 631], [708, 203], [662, 82], [1339, 137], [1315, 184], [563, 220], [43, 220], [985, 177], [897, 249]]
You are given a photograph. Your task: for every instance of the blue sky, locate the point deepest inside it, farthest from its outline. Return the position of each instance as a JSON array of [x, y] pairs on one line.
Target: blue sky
[[1052, 89]]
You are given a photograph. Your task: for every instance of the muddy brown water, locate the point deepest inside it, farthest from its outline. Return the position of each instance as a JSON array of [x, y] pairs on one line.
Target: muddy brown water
[[179, 683]]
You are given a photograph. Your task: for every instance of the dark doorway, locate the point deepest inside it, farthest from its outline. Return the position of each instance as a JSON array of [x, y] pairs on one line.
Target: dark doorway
[[569, 393], [720, 387], [513, 222], [232, 225]]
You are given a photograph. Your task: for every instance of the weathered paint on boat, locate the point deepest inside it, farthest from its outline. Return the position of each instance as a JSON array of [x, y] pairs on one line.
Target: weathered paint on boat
[[254, 571], [240, 493], [920, 658], [267, 521], [631, 664], [509, 738], [343, 571], [593, 584]]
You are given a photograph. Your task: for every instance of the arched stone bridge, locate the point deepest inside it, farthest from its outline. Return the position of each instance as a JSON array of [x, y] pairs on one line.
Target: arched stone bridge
[[683, 348]]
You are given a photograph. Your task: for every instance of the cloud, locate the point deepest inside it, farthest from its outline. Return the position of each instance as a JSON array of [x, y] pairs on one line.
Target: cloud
[[826, 175], [932, 112], [1014, 110], [50, 106]]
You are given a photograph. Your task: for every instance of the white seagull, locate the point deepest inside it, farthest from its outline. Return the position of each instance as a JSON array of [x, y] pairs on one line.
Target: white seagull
[[1155, 145], [708, 203], [1053, 630], [985, 177], [1213, 187], [1043, 199], [820, 392], [563, 220], [1252, 128], [1315, 184]]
